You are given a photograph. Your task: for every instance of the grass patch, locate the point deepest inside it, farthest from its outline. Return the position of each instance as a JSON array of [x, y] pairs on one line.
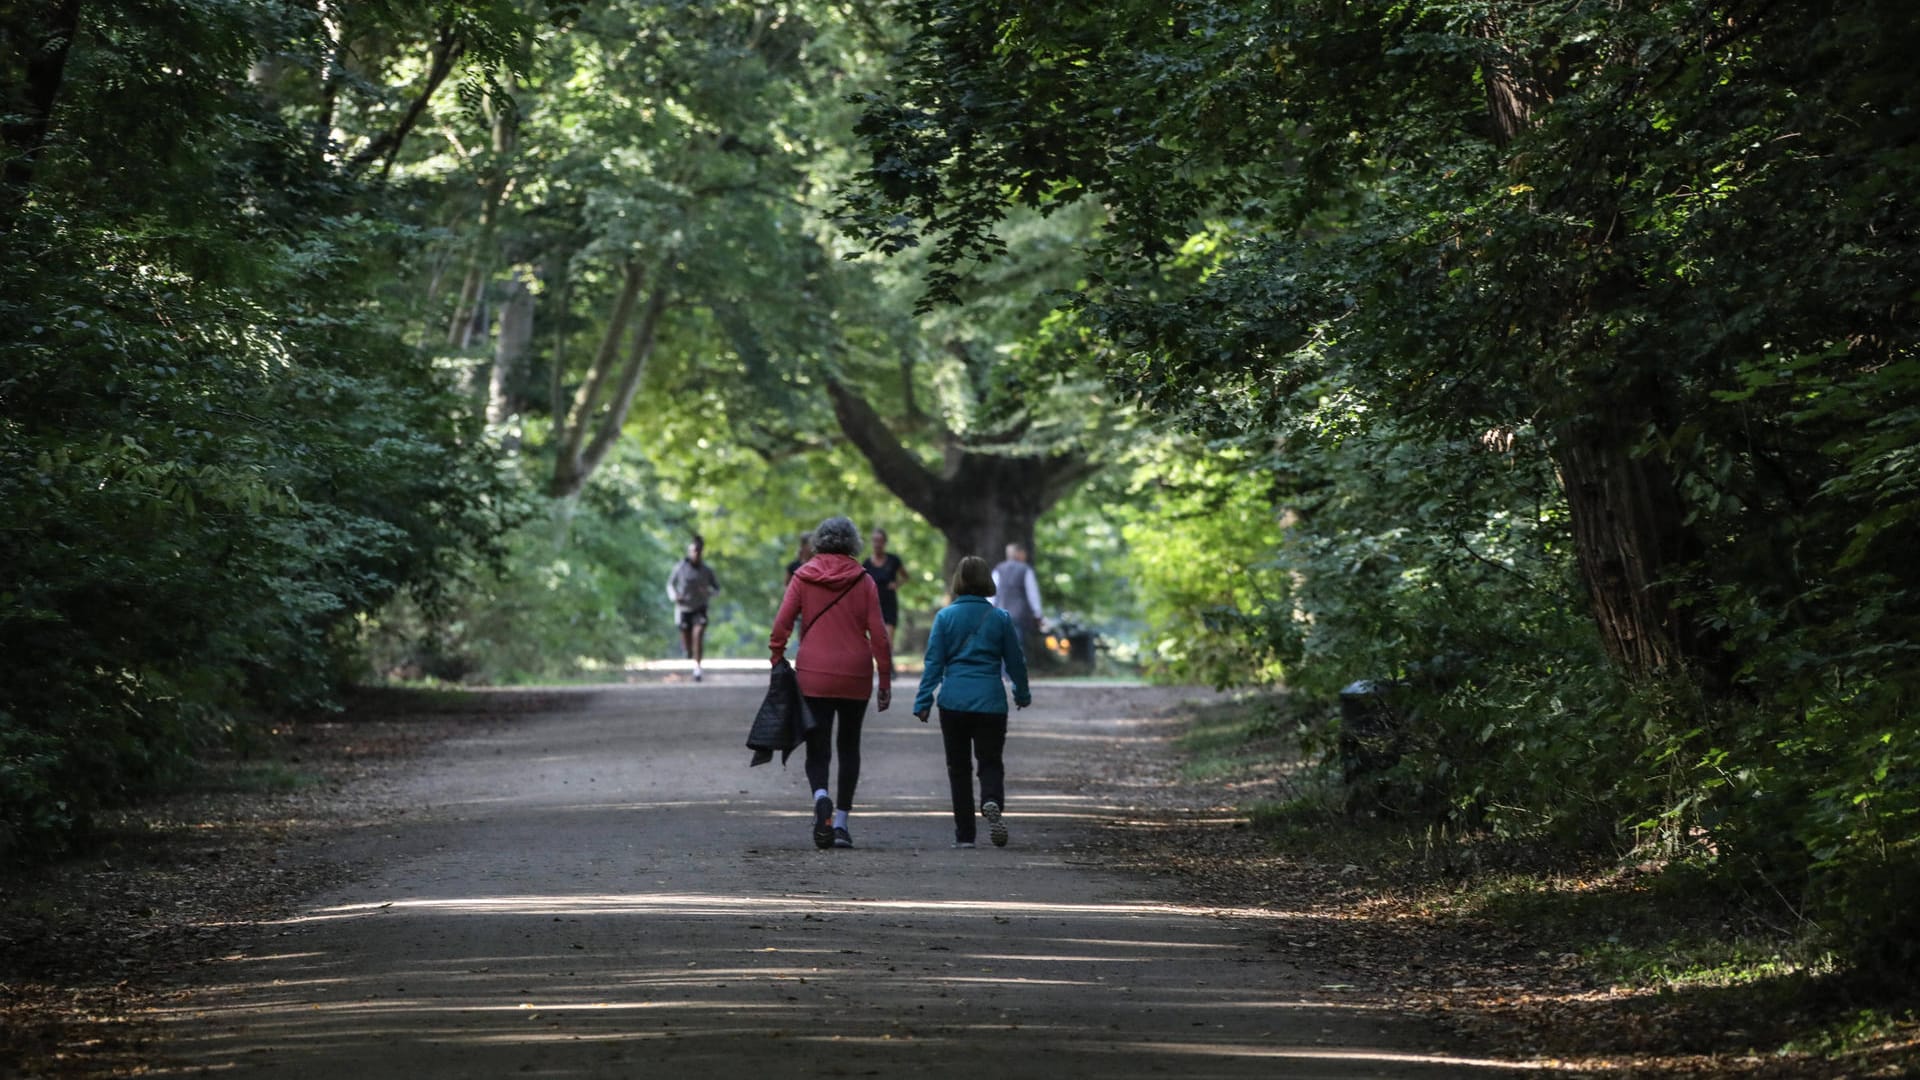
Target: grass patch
[[1241, 737]]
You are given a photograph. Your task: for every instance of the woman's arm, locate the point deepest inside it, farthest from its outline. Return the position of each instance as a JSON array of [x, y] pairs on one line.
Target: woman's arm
[[877, 637], [1016, 662], [934, 667]]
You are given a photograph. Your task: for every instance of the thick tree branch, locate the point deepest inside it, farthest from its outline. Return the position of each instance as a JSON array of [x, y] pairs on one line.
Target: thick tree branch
[[446, 52], [610, 425], [892, 463], [1063, 472], [568, 469]]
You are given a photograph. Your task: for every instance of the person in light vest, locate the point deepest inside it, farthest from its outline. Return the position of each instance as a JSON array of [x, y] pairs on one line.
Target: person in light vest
[[1017, 592]]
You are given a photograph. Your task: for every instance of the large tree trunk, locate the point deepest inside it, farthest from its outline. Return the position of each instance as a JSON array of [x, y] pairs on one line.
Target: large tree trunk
[[980, 501], [1628, 514], [40, 66], [1631, 540]]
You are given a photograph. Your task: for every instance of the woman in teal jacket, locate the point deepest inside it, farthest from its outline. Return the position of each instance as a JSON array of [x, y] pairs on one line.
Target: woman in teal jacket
[[971, 643]]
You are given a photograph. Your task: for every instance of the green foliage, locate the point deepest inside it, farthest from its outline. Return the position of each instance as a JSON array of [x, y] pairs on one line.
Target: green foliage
[[1201, 541], [1580, 344], [214, 455], [576, 588]]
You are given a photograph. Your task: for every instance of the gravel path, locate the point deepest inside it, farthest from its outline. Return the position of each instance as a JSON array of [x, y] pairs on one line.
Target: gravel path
[[606, 890]]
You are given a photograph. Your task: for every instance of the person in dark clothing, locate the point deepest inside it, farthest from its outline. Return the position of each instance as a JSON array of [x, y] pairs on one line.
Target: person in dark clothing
[[800, 558], [970, 644], [885, 569], [846, 644]]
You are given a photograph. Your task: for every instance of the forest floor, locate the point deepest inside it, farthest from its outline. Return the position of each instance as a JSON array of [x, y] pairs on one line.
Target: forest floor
[[103, 959], [1618, 970]]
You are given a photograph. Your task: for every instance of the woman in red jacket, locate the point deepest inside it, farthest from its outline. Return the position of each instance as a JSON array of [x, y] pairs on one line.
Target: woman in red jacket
[[839, 610]]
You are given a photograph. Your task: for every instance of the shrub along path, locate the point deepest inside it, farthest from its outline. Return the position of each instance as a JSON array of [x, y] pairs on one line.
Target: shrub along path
[[601, 887]]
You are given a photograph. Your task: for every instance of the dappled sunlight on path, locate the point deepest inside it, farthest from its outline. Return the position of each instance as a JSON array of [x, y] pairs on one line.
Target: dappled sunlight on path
[[609, 892]]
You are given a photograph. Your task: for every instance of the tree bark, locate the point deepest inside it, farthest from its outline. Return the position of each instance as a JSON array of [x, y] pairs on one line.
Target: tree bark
[[1632, 544], [510, 348], [44, 44], [979, 501], [601, 405], [332, 38], [467, 319], [1627, 512]]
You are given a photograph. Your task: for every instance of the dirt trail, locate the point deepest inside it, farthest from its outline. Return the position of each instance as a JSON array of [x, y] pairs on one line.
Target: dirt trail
[[607, 890]]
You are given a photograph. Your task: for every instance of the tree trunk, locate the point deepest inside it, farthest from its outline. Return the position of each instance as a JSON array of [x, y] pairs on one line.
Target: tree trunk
[[510, 349], [1632, 543], [1629, 518], [595, 411], [983, 521], [331, 75], [468, 319], [44, 44], [979, 501], [644, 337]]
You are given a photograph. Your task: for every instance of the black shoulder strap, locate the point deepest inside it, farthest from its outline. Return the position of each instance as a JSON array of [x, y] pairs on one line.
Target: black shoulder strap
[[842, 595]]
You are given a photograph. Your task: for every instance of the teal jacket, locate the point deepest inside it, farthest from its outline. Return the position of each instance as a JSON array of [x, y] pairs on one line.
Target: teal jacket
[[964, 665]]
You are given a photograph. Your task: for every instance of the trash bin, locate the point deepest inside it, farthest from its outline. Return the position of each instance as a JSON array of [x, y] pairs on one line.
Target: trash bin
[[1369, 739]]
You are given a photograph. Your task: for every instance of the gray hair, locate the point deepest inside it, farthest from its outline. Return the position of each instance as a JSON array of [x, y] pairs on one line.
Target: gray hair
[[836, 536]]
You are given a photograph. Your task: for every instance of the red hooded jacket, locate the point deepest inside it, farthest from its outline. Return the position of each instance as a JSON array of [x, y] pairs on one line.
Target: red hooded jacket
[[849, 641]]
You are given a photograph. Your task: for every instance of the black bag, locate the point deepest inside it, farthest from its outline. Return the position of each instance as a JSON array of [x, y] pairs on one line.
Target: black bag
[[783, 720]]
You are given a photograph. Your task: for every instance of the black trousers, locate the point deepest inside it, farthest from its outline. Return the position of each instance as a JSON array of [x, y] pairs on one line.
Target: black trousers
[[972, 736], [821, 744]]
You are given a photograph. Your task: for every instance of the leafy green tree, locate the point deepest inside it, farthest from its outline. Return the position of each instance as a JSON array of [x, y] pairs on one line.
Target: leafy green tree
[[216, 452], [1655, 253]]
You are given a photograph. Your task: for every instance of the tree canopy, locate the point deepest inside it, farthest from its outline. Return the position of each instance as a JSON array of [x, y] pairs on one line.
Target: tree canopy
[[1553, 365], [1542, 316]]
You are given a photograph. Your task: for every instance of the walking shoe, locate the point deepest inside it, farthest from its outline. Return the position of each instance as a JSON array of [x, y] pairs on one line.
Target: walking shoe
[[823, 822], [963, 843], [996, 829], [842, 838], [697, 673]]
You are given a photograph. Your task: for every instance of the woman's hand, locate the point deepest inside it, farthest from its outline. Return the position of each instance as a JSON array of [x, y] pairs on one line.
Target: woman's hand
[[920, 716], [884, 698]]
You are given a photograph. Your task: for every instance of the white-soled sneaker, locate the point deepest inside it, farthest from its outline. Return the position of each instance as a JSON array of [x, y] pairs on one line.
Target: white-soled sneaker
[[996, 829]]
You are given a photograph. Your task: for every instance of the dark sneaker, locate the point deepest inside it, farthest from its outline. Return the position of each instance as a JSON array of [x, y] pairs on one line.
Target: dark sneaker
[[823, 822], [842, 838], [996, 829]]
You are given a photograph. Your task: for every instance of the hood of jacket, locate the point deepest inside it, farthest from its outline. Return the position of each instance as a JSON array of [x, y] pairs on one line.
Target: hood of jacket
[[835, 572]]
